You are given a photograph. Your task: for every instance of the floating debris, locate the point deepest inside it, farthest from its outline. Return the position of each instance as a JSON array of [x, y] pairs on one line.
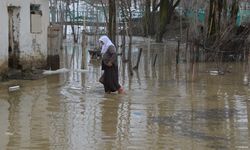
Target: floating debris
[[216, 72], [9, 133], [14, 88], [245, 80]]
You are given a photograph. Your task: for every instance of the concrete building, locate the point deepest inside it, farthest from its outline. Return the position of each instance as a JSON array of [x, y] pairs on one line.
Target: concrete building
[[23, 34]]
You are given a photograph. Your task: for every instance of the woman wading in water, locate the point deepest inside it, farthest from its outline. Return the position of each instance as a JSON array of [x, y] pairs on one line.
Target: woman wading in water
[[110, 66]]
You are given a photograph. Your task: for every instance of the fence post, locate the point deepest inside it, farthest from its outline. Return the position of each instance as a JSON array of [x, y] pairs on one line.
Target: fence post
[[138, 59]]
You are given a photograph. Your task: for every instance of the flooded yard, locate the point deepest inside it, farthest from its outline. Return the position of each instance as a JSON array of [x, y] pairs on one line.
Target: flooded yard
[[166, 106]]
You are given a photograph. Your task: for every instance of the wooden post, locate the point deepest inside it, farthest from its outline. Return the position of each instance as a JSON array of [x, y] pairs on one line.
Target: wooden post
[[138, 59], [177, 52], [155, 60]]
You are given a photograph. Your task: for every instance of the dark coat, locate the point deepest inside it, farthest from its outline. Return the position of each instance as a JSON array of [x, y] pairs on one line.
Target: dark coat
[[110, 76]]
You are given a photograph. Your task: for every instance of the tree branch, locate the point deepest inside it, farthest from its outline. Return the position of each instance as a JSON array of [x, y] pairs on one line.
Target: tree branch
[[177, 3], [156, 7]]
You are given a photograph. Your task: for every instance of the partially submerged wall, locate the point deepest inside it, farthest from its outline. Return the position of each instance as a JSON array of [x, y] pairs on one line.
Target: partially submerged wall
[[32, 51], [3, 37]]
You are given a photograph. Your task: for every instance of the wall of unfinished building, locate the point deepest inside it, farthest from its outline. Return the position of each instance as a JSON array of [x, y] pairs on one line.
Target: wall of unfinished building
[[32, 46]]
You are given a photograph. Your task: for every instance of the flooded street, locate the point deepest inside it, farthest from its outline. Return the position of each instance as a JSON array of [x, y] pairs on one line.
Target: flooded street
[[166, 106]]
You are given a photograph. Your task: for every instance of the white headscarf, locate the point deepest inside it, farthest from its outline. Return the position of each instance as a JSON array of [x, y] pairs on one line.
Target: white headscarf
[[107, 42]]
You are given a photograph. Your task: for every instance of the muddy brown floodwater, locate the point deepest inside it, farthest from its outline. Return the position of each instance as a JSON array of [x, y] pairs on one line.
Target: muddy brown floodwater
[[168, 106]]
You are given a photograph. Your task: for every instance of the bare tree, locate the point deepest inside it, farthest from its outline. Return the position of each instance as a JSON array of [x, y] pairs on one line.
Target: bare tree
[[125, 7], [167, 8], [147, 22]]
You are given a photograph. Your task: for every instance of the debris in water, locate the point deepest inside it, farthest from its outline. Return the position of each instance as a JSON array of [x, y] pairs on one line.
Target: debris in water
[[216, 72], [14, 88], [8, 133], [245, 80]]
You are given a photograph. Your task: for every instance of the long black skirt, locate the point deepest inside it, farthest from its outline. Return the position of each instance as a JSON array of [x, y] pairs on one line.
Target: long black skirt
[[110, 79]]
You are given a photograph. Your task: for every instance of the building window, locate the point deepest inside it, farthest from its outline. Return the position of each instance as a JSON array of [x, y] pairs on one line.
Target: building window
[[35, 18]]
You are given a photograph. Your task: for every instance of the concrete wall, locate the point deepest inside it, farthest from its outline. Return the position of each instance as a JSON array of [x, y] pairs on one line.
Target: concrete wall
[[33, 46], [3, 36]]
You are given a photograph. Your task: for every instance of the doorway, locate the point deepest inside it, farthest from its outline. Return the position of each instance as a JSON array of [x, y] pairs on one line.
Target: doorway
[[14, 32]]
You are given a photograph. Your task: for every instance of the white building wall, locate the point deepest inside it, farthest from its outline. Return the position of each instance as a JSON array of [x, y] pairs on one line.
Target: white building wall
[[3, 36], [33, 47]]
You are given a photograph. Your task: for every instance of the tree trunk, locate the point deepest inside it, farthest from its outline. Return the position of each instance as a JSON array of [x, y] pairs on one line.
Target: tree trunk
[[72, 20], [67, 13], [130, 51], [211, 24], [217, 8], [77, 20], [72, 24], [112, 21], [220, 8], [105, 14], [130, 43], [123, 34], [53, 11], [224, 18], [163, 19], [147, 18], [166, 11], [234, 11]]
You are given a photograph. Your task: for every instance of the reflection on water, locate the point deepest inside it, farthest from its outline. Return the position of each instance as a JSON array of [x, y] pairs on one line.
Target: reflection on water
[[167, 106]]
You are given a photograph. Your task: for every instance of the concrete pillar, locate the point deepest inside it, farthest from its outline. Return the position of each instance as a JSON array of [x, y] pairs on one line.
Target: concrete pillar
[[54, 45]]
